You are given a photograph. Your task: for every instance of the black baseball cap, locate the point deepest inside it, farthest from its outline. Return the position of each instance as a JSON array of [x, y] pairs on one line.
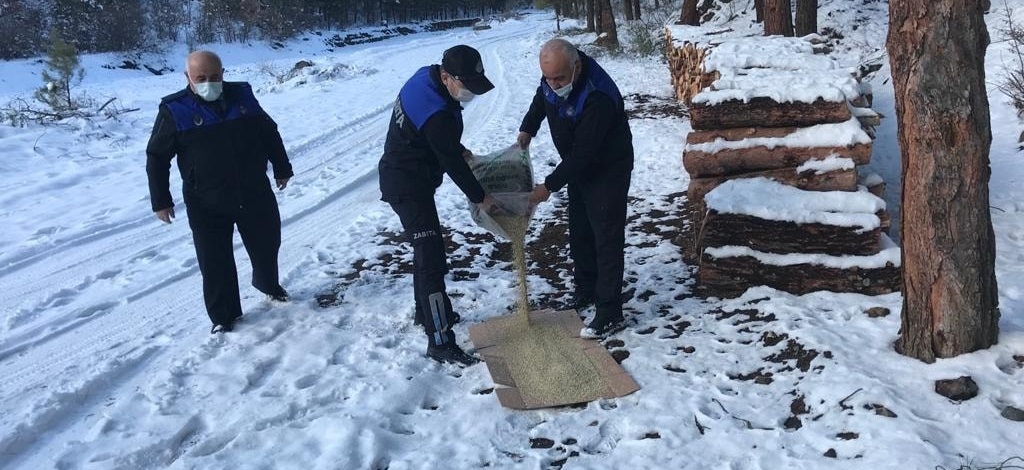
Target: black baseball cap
[[463, 63]]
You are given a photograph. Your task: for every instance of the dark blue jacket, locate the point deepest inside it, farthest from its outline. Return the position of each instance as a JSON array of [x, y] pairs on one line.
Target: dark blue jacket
[[589, 128], [222, 147], [423, 142]]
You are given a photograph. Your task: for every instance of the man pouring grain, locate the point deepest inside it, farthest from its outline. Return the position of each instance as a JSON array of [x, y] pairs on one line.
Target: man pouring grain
[[591, 133], [423, 143]]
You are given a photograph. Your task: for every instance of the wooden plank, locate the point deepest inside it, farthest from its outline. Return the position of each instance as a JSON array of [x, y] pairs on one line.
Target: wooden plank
[[885, 218], [766, 112], [776, 236], [744, 160], [737, 134], [731, 276], [836, 180], [870, 120]]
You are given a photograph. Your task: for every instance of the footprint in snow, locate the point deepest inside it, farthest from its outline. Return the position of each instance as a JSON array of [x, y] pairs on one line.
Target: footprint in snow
[[307, 381]]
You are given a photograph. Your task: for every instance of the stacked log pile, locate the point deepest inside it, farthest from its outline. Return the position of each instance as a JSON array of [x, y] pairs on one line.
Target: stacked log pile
[[685, 63], [687, 47], [758, 231], [779, 131]]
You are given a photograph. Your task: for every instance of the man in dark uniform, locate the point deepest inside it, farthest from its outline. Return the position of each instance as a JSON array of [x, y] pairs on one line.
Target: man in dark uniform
[[423, 143], [591, 133], [223, 140]]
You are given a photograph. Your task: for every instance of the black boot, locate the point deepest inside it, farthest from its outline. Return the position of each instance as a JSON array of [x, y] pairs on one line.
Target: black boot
[[603, 327], [450, 353], [280, 295], [222, 327]]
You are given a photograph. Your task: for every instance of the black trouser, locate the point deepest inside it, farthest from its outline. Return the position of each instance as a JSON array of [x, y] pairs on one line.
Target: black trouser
[[430, 263], [259, 224], [597, 226]]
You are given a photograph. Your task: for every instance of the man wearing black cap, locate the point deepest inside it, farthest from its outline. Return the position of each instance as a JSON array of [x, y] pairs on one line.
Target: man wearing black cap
[[591, 133], [423, 144]]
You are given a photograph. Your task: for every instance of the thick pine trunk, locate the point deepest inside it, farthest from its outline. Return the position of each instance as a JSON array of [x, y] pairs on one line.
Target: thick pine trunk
[[607, 25], [759, 10], [636, 9], [937, 53], [777, 18], [627, 10], [806, 17], [689, 14]]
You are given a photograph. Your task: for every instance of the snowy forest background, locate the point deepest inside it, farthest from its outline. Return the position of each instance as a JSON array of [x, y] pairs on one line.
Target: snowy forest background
[[148, 25]]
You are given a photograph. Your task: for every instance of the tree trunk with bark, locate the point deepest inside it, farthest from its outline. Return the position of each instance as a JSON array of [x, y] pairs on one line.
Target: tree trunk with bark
[[766, 112], [731, 276], [806, 17], [777, 18], [689, 14], [627, 10], [758, 11], [590, 14], [937, 54], [558, 16], [777, 236], [732, 161], [836, 180], [609, 37], [636, 9]]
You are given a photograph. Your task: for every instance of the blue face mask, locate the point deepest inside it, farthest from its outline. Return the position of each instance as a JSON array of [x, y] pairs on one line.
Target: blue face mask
[[563, 92], [209, 91]]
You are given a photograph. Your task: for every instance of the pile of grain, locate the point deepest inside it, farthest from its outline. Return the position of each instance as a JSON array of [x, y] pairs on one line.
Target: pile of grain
[[547, 363]]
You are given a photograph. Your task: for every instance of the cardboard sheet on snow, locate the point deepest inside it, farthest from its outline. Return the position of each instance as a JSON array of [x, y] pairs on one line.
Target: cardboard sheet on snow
[[538, 379]]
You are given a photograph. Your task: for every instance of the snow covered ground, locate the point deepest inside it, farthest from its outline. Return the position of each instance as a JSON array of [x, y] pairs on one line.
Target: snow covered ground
[[107, 363]]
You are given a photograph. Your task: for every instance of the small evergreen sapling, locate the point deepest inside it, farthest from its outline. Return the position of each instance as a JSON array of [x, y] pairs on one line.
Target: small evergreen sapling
[[62, 71]]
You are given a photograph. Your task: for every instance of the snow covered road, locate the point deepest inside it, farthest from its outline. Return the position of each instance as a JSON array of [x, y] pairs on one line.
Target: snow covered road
[[102, 304]]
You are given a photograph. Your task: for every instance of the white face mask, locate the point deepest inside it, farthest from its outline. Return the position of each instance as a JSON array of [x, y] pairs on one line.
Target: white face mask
[[564, 91], [209, 91], [464, 96]]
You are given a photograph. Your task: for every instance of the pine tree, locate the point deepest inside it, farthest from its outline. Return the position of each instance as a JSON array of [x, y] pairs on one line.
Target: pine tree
[[950, 296], [61, 73]]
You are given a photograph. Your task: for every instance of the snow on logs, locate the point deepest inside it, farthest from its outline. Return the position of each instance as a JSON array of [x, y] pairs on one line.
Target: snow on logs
[[765, 215], [695, 56], [779, 130], [762, 232], [729, 271]]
